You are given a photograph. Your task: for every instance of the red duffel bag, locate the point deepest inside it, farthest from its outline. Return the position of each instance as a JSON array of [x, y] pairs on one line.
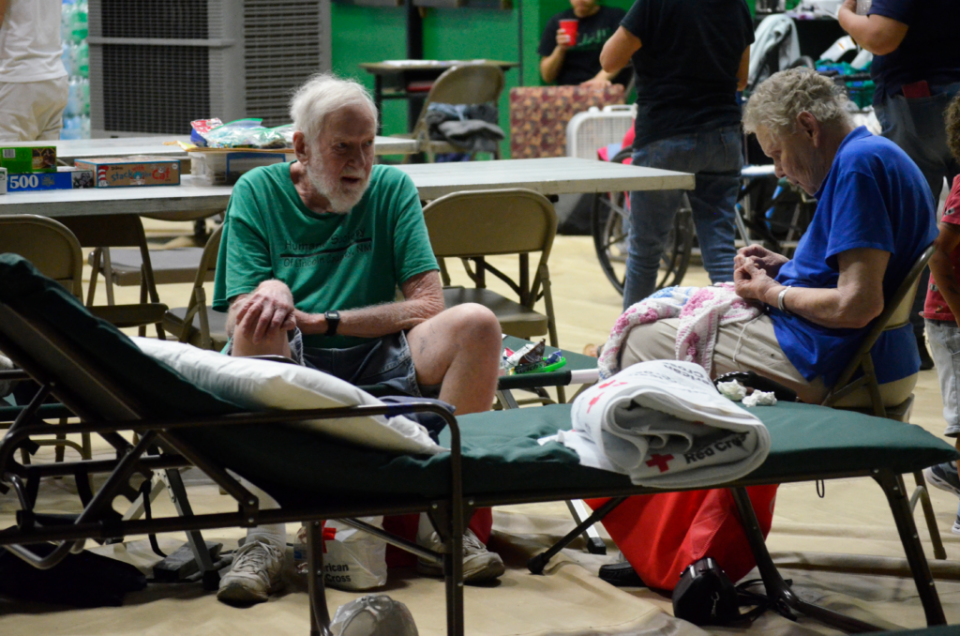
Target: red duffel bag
[[662, 534]]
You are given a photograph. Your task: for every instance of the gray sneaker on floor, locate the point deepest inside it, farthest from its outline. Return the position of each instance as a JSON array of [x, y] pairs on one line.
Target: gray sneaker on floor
[[944, 476], [255, 575], [479, 564]]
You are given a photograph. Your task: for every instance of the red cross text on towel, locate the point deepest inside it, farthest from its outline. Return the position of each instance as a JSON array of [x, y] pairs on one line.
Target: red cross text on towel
[[660, 461]]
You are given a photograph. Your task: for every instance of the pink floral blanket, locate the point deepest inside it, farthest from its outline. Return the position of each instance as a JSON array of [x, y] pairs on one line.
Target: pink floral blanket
[[701, 310]]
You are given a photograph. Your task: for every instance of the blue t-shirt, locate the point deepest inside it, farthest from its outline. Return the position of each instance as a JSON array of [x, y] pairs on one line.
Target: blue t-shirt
[[875, 197], [686, 67], [930, 50]]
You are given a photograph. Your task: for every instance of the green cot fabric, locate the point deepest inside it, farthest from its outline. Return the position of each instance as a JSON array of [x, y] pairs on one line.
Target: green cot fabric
[[159, 390], [501, 455], [500, 449]]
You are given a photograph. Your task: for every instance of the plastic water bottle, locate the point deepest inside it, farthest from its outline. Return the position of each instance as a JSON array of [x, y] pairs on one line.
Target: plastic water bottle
[[78, 26], [72, 128], [73, 98], [83, 95], [82, 67], [66, 20]]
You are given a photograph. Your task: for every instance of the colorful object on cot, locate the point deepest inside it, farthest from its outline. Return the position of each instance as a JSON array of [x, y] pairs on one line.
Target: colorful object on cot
[[530, 359]]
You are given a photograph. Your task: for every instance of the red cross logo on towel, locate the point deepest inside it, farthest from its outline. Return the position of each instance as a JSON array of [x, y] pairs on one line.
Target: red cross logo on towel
[[597, 397], [660, 461]]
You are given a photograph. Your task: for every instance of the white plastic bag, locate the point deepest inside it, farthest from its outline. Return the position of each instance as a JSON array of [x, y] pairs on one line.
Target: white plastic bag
[[373, 615], [352, 559]]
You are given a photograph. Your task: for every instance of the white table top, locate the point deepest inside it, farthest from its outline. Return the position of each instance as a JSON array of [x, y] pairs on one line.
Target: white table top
[[68, 149], [554, 175], [558, 175]]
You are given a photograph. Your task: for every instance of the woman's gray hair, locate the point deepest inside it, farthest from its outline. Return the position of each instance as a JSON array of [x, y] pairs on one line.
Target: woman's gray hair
[[321, 95], [778, 100]]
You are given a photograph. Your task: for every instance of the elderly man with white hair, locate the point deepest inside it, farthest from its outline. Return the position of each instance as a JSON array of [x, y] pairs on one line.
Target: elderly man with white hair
[[312, 254], [874, 218]]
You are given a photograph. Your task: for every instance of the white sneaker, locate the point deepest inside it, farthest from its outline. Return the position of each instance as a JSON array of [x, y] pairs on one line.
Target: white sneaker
[[255, 575], [479, 564]]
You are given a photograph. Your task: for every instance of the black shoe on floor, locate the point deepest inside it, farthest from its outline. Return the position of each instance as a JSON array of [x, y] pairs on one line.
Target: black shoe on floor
[[621, 574], [926, 362]]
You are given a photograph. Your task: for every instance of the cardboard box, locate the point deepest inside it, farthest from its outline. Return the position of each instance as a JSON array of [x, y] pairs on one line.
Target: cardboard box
[[65, 178], [225, 168], [112, 172], [29, 159]]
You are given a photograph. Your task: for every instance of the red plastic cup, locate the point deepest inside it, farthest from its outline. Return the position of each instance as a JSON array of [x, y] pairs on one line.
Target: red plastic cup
[[570, 28]]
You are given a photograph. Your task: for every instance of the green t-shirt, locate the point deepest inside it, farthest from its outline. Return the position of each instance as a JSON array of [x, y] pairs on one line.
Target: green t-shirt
[[329, 261]]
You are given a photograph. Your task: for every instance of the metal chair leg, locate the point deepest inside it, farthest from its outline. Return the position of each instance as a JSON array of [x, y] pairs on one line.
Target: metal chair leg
[[922, 494], [895, 491]]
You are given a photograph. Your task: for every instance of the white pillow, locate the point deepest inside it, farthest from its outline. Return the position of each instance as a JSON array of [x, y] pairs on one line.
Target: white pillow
[[263, 385]]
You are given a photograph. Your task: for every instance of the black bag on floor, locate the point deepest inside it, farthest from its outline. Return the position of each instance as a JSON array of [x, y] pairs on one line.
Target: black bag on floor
[[706, 596], [80, 580]]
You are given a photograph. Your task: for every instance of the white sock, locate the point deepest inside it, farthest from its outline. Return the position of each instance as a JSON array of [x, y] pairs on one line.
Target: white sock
[[274, 534], [425, 529]]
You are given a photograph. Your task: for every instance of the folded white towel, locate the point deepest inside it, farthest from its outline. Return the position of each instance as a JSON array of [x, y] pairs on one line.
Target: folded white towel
[[665, 425]]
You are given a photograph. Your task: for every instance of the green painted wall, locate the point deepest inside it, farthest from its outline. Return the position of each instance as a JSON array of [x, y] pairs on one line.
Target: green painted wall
[[370, 34], [469, 34]]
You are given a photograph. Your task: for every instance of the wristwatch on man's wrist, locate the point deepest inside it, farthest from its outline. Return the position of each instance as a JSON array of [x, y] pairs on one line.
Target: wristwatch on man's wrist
[[333, 321]]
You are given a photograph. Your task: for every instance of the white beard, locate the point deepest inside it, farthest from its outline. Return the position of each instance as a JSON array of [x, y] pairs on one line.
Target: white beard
[[330, 186]]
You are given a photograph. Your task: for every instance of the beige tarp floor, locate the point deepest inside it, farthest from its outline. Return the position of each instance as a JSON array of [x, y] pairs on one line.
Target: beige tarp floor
[[841, 550]]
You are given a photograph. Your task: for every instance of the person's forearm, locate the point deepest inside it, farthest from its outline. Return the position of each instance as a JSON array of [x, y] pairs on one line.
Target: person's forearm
[[550, 66], [375, 321], [946, 279], [877, 34], [829, 308]]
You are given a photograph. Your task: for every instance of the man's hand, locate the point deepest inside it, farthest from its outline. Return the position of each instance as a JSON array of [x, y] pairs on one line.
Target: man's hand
[[563, 40], [752, 282], [600, 81], [769, 262], [269, 307]]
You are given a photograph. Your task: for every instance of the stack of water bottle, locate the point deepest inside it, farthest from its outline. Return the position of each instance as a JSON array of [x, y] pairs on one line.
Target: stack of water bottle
[[76, 56]]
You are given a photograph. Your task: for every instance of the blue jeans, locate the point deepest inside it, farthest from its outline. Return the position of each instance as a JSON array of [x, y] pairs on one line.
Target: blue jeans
[[716, 157], [916, 125], [944, 337]]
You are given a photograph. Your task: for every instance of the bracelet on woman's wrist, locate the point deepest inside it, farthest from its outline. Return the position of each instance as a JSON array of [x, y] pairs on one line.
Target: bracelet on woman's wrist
[[780, 297]]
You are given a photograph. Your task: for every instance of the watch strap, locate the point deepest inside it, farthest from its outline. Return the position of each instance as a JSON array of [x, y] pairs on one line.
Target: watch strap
[[333, 322]]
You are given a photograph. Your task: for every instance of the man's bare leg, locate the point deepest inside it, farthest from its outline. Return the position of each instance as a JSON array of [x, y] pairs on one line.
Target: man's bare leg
[[459, 349], [274, 342]]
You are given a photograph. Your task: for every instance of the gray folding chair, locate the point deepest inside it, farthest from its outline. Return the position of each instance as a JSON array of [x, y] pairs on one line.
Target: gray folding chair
[[196, 323], [55, 251], [465, 84], [858, 388]]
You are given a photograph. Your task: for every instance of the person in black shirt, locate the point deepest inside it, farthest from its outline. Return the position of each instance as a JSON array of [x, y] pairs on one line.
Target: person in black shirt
[[690, 58], [580, 63]]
